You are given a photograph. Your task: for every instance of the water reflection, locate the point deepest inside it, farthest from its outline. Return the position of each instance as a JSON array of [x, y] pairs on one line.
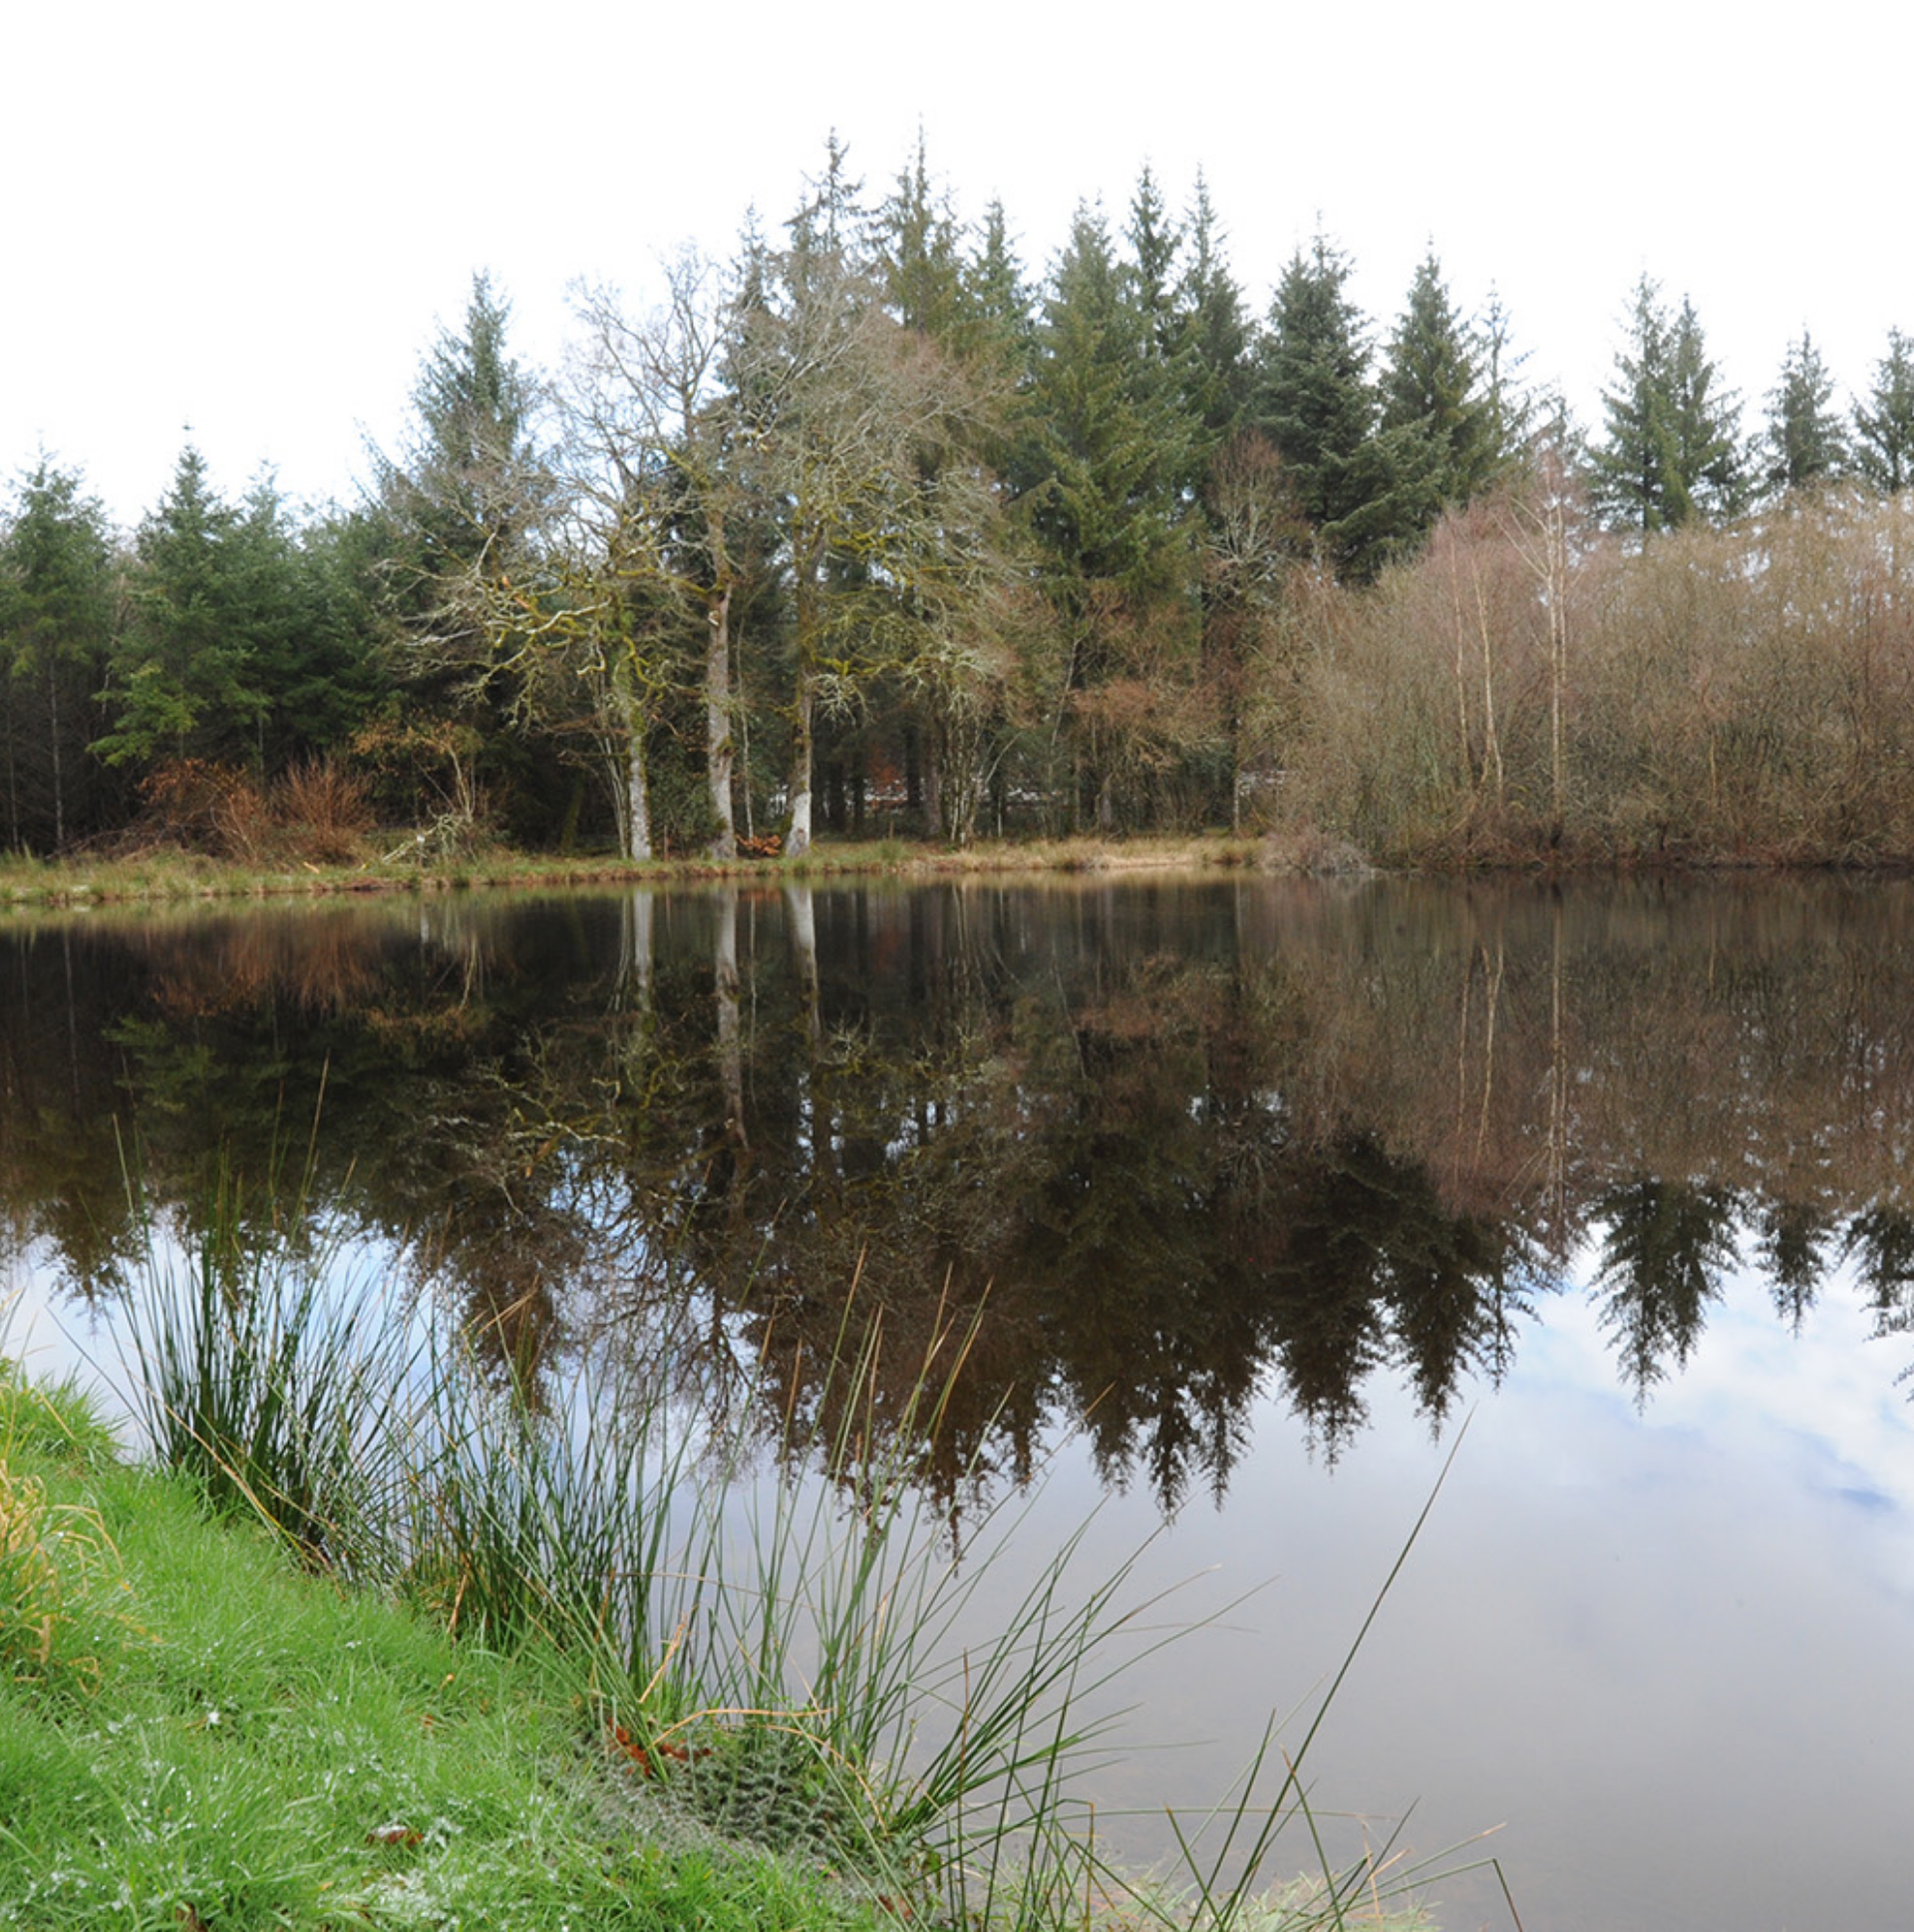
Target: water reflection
[[1185, 1143]]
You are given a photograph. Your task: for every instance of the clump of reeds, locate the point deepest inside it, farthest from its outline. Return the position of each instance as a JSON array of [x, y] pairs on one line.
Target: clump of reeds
[[255, 1375], [774, 1637]]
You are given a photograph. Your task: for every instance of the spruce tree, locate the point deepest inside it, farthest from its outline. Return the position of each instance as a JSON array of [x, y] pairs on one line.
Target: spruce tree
[[1109, 441], [997, 298], [468, 485], [1154, 245], [1885, 424], [1432, 381], [917, 255], [1805, 441], [186, 680], [1313, 401], [463, 503], [56, 631], [1101, 477], [1216, 329], [1708, 469], [1628, 468], [1671, 448], [1368, 492]]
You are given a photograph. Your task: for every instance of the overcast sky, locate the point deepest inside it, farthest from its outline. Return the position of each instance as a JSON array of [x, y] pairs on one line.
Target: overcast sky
[[250, 218]]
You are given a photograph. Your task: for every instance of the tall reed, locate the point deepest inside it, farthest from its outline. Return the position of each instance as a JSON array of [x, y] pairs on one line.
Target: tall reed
[[255, 1373], [773, 1635]]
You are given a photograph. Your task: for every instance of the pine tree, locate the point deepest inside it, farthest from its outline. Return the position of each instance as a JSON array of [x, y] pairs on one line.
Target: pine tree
[[1805, 441], [1313, 400], [1218, 371], [1672, 446], [1431, 380], [1101, 481], [917, 255], [56, 628], [1885, 424], [1369, 492]]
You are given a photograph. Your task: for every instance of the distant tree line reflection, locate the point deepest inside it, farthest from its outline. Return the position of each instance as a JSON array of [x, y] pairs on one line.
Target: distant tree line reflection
[[1167, 1146]]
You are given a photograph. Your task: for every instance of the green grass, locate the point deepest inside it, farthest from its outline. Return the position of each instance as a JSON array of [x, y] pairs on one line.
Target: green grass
[[266, 1749], [381, 1640]]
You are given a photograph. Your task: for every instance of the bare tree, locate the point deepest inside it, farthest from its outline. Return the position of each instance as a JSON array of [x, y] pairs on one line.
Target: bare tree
[[652, 439]]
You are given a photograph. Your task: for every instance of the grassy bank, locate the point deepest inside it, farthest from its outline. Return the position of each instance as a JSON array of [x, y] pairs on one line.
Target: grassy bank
[[176, 877], [371, 1643], [193, 1733]]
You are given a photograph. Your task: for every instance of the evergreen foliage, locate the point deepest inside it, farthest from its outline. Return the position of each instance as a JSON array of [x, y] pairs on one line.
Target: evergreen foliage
[[57, 580], [1805, 443], [1368, 488], [1314, 400], [1884, 422], [1218, 334], [1101, 479], [1432, 381], [1670, 450], [206, 608]]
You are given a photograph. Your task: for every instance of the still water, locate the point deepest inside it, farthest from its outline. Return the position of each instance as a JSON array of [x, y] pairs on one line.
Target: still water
[[1264, 1190]]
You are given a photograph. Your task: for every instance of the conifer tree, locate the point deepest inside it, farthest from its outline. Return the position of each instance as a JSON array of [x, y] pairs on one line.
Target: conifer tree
[[917, 252], [1707, 474], [1672, 446], [1885, 424], [1101, 477], [1154, 240], [1369, 492], [462, 503], [998, 301], [1805, 441], [1432, 381], [1216, 329], [186, 678], [1314, 402], [56, 628]]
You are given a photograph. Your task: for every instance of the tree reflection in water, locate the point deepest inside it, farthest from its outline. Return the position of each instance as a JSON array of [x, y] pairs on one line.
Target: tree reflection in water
[[1179, 1143]]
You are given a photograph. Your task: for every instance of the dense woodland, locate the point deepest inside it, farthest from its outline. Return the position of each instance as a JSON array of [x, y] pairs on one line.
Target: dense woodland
[[865, 528]]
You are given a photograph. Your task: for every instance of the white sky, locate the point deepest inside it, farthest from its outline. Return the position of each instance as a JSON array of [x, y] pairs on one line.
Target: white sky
[[249, 217]]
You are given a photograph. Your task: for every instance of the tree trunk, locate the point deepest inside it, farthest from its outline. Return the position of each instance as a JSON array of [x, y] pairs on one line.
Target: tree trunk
[[730, 1058], [59, 780], [798, 839], [634, 796], [719, 754], [804, 703]]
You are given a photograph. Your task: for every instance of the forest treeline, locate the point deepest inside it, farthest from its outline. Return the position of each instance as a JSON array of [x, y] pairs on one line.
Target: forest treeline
[[867, 528]]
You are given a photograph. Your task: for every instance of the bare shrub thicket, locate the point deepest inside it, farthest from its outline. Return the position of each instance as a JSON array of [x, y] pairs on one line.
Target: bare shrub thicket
[[318, 812], [1423, 720], [1733, 694]]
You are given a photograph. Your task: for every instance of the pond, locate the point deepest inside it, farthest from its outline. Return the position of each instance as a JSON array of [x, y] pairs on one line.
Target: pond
[[1268, 1199]]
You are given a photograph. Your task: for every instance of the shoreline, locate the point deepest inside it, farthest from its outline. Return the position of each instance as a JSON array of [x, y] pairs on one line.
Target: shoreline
[[174, 877]]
